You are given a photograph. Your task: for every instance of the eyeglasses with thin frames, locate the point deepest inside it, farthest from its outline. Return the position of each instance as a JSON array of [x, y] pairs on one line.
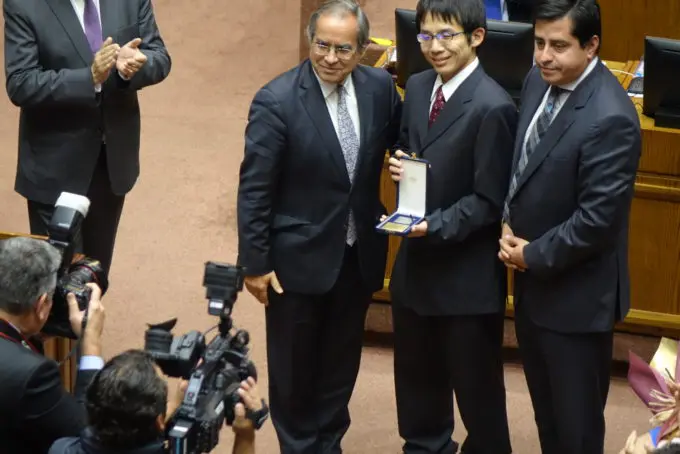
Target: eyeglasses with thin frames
[[426, 38], [342, 52]]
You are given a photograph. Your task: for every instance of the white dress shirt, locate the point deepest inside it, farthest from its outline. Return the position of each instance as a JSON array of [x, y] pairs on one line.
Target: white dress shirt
[[330, 94], [561, 99], [449, 88]]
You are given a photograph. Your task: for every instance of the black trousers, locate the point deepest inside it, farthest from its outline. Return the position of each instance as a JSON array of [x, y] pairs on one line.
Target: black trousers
[[437, 356], [314, 351], [568, 380], [98, 233]]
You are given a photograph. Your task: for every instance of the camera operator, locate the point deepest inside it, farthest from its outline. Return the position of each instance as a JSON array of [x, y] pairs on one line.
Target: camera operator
[[36, 410], [128, 406]]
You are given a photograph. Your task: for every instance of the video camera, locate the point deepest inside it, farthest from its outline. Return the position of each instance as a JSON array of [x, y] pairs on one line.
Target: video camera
[[215, 371], [63, 232]]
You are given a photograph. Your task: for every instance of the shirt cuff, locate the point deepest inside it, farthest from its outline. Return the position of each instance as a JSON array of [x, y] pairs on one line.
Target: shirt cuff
[[123, 77], [91, 363], [98, 88]]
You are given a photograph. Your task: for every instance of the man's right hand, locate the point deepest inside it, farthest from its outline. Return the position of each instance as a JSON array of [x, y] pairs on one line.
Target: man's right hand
[[396, 168], [104, 60], [506, 232], [258, 286], [94, 327]]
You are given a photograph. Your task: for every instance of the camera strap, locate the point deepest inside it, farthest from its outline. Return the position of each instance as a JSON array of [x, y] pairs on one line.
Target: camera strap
[[10, 333]]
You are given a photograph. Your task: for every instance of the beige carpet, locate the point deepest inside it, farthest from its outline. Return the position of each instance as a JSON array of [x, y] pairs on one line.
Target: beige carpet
[[181, 213]]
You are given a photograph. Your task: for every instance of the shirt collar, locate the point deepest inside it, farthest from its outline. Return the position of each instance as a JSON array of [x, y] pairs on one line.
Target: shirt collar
[[571, 86], [328, 89], [450, 87]]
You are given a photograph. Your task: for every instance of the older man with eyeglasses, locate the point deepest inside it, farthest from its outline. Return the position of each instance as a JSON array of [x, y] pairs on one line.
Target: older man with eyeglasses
[[308, 204]]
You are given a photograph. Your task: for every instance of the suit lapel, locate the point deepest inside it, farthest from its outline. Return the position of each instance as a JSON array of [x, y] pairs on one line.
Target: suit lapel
[[110, 21], [565, 118], [66, 15], [453, 109], [534, 98], [421, 102], [367, 125], [314, 103]]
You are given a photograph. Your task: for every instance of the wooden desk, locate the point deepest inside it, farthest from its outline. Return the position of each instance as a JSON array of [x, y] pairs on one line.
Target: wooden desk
[[55, 348], [654, 250]]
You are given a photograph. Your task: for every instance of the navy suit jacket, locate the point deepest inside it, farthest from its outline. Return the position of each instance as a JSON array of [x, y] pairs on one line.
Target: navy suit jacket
[[454, 270], [572, 204], [295, 194]]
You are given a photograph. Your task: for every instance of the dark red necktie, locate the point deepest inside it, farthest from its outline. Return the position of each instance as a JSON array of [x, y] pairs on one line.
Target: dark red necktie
[[438, 105]]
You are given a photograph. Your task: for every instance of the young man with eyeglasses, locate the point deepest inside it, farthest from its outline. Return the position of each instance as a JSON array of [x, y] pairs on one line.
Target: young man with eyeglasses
[[448, 291], [308, 204]]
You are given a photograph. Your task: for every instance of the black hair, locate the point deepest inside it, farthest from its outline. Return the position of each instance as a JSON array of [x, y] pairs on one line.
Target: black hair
[[124, 401], [584, 14], [670, 448], [469, 14]]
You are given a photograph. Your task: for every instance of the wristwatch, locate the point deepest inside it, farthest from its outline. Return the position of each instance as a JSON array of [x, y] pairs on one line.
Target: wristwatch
[[258, 417]]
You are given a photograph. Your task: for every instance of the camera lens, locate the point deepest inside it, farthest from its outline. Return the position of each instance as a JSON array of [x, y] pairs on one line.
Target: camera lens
[[156, 340]]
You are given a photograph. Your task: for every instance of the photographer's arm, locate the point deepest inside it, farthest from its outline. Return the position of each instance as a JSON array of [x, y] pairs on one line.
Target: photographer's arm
[[244, 440], [244, 430], [91, 344], [48, 409]]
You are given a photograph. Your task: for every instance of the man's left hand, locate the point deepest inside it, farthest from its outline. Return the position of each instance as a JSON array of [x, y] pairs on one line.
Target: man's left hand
[[418, 230], [512, 250], [130, 58]]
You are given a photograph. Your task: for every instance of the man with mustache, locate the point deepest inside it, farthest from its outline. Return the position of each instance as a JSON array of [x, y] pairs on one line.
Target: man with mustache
[[565, 224]]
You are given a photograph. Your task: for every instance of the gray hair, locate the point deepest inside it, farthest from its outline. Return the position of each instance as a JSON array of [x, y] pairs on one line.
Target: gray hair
[[28, 270], [341, 8]]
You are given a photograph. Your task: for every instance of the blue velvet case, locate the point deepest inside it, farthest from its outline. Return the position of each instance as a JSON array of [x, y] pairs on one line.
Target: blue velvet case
[[411, 198]]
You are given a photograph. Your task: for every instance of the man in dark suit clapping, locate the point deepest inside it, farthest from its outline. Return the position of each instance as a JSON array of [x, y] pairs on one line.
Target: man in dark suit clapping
[[448, 289], [308, 204], [566, 224], [74, 67], [35, 409]]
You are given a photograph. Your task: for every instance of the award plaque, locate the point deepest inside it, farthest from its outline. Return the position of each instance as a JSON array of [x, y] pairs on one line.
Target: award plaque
[[411, 198]]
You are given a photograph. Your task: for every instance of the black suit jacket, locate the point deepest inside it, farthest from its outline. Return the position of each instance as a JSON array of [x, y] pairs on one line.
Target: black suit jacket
[[454, 270], [295, 194], [63, 120], [36, 410], [573, 202]]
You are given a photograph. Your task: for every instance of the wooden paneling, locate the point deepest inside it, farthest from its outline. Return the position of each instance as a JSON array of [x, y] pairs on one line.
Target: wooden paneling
[[625, 23]]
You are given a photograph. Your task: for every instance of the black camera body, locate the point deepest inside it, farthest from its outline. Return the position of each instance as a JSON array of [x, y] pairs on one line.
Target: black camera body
[[72, 277], [214, 370]]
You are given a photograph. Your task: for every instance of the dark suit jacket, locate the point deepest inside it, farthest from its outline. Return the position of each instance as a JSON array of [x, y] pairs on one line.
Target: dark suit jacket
[[62, 120], [35, 409], [454, 269], [87, 443], [572, 203], [294, 193]]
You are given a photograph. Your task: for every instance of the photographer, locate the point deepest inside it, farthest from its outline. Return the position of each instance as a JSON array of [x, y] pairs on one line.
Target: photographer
[[128, 406], [36, 410]]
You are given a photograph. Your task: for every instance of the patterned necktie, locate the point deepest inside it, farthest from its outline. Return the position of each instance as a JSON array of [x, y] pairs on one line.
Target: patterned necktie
[[349, 142], [437, 106], [537, 132], [93, 28]]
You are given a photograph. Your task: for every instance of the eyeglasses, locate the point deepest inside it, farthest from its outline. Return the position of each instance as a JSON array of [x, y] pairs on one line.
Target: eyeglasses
[[426, 38], [342, 52]]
